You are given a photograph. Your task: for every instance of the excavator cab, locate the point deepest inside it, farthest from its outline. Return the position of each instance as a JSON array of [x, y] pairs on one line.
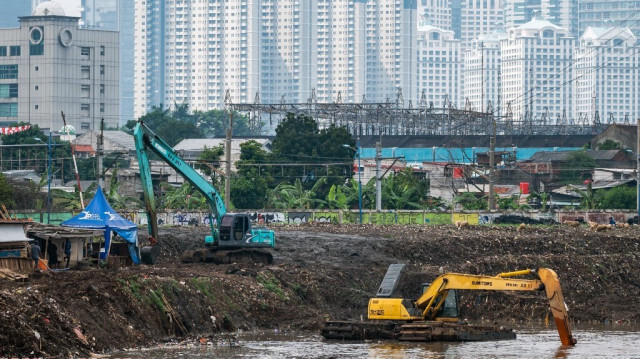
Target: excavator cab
[[235, 230], [449, 310]]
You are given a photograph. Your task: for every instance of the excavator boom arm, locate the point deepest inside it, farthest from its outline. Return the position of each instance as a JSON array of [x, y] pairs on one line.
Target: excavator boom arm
[[146, 139], [431, 299], [473, 282]]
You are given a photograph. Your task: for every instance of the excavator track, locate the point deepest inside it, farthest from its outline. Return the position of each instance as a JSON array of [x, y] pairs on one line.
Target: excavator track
[[430, 331], [419, 331], [354, 330]]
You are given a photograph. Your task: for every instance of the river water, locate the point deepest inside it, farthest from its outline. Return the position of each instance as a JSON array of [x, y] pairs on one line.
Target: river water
[[530, 343]]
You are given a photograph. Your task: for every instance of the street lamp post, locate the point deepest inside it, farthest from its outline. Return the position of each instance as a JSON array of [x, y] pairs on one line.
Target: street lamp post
[[49, 185], [357, 154]]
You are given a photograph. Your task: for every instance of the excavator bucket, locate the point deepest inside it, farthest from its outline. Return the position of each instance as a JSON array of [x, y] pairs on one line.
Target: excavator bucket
[[558, 307]]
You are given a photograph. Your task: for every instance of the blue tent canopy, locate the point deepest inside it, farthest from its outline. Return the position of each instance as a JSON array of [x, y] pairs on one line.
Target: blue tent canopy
[[99, 215]]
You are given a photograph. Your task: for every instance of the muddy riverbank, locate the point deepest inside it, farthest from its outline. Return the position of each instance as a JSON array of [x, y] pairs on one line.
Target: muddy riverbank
[[320, 272]]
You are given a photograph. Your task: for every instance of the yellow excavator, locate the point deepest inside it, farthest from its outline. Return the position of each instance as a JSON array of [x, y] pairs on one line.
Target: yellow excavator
[[434, 315]]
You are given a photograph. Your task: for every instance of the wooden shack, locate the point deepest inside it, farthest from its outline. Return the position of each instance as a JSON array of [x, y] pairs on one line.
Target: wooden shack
[[14, 244]]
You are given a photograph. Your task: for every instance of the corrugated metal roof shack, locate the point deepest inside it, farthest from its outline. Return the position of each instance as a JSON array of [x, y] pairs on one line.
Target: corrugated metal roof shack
[[80, 239]]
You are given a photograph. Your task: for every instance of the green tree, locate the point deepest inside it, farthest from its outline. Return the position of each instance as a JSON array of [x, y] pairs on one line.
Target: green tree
[[6, 192], [214, 123], [403, 191], [249, 193], [334, 145], [621, 197], [512, 202], [296, 137], [183, 197], [578, 167], [129, 126], [469, 201], [352, 192], [287, 196], [26, 137], [539, 197], [335, 198], [609, 144], [368, 195], [587, 196], [26, 194], [171, 126], [70, 201], [251, 152], [249, 188], [115, 199], [320, 153], [87, 168], [26, 156], [209, 163], [296, 141]]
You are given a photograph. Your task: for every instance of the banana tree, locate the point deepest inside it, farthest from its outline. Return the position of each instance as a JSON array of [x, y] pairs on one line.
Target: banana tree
[[116, 200], [400, 196], [70, 201], [469, 201], [294, 196], [183, 197], [512, 202], [587, 196], [335, 198]]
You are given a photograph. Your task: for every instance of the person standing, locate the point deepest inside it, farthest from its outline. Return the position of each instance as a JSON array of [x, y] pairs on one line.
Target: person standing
[[67, 252], [52, 251], [35, 254]]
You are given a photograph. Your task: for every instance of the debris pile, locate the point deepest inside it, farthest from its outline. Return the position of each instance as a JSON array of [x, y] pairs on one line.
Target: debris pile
[[321, 272]]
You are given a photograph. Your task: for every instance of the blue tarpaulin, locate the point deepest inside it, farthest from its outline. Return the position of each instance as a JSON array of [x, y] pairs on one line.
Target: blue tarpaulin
[[99, 215]]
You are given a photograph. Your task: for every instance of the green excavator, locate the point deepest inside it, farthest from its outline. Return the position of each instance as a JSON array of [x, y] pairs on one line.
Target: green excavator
[[232, 239]]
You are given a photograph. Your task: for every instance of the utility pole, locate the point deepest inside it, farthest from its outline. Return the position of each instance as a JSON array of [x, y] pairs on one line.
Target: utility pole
[[359, 180], [227, 156], [492, 160], [100, 153], [49, 185], [73, 157], [638, 169], [378, 177]]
